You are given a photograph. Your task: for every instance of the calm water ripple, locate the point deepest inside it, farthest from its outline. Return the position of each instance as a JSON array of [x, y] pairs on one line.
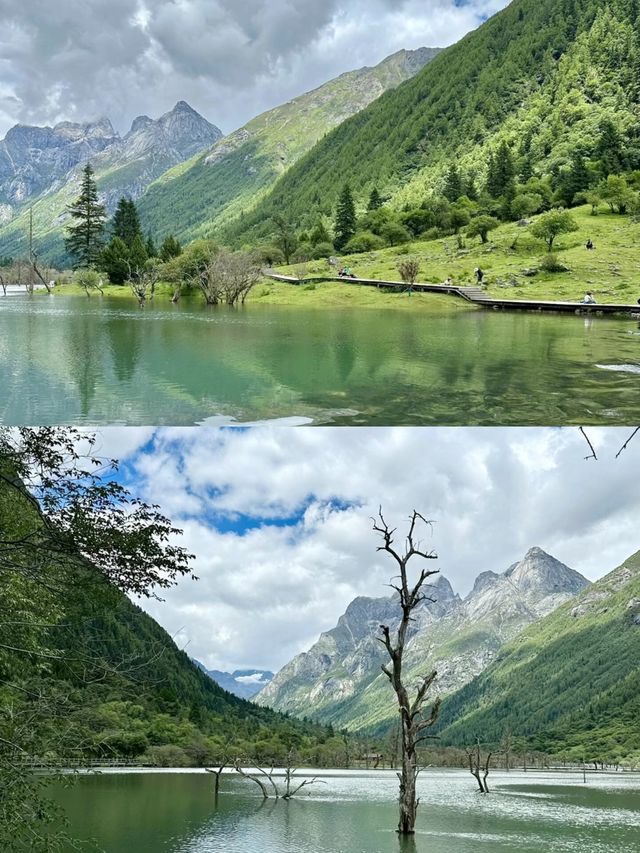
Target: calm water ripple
[[98, 361], [355, 812]]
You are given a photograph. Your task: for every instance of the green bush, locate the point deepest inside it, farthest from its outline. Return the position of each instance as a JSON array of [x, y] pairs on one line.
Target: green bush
[[551, 263], [363, 241], [322, 250], [395, 234]]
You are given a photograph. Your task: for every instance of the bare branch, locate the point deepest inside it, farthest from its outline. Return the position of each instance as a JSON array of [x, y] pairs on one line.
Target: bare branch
[[255, 779], [588, 440], [627, 442]]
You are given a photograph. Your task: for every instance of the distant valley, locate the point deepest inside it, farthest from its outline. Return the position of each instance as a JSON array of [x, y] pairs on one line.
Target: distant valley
[[241, 682]]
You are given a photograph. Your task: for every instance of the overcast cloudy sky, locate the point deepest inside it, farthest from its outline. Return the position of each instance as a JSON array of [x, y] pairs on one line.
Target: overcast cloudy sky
[[280, 518], [230, 59]]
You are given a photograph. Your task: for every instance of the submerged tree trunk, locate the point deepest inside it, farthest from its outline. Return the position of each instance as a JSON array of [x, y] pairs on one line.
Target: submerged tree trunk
[[413, 723], [479, 770]]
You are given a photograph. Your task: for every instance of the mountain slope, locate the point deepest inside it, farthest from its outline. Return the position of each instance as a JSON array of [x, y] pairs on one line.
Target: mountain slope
[[542, 75], [96, 676], [568, 684], [34, 159], [45, 165], [339, 679], [192, 199], [241, 682]]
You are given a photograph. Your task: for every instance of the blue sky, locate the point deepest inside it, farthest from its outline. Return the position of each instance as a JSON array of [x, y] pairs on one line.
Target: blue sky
[[229, 60], [280, 518]]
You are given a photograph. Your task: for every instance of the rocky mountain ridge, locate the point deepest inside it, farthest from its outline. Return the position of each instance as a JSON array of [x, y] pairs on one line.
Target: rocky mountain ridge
[[35, 159], [569, 682], [42, 167], [339, 678]]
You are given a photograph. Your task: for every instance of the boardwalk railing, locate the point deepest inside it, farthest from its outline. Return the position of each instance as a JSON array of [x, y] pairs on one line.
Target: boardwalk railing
[[36, 763]]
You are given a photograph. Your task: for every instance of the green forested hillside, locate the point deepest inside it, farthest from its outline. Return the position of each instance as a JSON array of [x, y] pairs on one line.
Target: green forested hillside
[[568, 685], [84, 673], [554, 82], [191, 199]]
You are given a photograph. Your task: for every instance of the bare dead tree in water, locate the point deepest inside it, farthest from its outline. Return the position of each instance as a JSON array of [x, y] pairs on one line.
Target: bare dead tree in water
[[290, 786], [414, 723], [34, 263], [217, 774], [143, 281], [292, 789], [506, 746], [256, 779], [227, 277], [592, 453], [479, 769]]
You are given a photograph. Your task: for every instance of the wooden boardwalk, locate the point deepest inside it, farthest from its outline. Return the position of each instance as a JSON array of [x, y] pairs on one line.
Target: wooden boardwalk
[[474, 294]]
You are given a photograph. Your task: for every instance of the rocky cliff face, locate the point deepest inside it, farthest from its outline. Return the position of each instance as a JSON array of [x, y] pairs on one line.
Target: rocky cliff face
[[42, 165], [339, 678], [34, 159], [176, 135]]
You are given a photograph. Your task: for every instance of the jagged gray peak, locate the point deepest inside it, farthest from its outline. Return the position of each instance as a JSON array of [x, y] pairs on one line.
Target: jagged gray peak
[[39, 160], [33, 159], [536, 584], [339, 678], [139, 123]]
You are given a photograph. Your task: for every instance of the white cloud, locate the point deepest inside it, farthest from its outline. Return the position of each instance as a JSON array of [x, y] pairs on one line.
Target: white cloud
[[266, 591], [230, 60]]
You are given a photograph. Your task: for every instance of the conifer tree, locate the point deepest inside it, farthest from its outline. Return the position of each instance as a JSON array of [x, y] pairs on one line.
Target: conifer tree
[[453, 187], [137, 254], [501, 172], [84, 239], [345, 222], [150, 246], [126, 222], [114, 260], [491, 185], [170, 248], [635, 69], [575, 179], [319, 234], [609, 149], [375, 200], [470, 189]]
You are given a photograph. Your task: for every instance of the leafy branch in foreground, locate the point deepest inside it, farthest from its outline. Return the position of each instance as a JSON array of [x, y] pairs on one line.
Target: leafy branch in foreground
[[85, 512]]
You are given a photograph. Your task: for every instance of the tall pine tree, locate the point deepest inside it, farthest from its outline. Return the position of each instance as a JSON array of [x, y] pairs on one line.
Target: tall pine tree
[[501, 172], [126, 222], [85, 233], [453, 185], [170, 248], [345, 223], [609, 149], [375, 200]]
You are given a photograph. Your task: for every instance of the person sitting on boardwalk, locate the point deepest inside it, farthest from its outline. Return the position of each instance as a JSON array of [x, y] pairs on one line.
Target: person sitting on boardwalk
[[590, 245], [346, 272], [588, 299], [448, 282]]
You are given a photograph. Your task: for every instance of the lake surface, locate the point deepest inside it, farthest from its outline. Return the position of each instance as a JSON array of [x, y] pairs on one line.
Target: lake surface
[[98, 361], [355, 812]]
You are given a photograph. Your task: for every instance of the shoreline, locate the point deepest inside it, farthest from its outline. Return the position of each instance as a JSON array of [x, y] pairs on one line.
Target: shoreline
[[277, 294]]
